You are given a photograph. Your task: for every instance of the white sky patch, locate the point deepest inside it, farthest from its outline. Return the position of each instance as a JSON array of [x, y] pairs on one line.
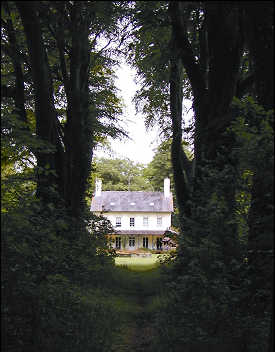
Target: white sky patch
[[142, 143], [140, 147]]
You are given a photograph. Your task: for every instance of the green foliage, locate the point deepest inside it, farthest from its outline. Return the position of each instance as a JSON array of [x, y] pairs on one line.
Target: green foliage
[[120, 175], [254, 147], [149, 51], [75, 320], [161, 167], [55, 292], [18, 148], [54, 270], [89, 110], [214, 290]]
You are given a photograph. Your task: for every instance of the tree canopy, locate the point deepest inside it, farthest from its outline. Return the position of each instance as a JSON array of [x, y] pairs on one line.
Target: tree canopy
[[71, 98], [120, 175], [59, 101]]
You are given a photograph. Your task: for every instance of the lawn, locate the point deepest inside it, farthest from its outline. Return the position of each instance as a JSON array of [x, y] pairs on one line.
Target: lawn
[[136, 284], [138, 263]]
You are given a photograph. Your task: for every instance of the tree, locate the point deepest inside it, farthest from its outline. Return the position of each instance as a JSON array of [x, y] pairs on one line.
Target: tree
[[260, 41], [70, 79], [57, 95], [58, 101], [212, 87], [208, 52], [202, 38], [120, 175], [160, 168], [161, 165]]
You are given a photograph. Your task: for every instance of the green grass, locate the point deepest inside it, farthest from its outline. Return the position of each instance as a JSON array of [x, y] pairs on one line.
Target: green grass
[[138, 263], [134, 288], [131, 287]]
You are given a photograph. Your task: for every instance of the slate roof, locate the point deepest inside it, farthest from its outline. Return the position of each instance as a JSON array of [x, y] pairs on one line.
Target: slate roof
[[133, 201]]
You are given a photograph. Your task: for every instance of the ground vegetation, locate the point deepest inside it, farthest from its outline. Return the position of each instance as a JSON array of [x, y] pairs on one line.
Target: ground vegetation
[[59, 101]]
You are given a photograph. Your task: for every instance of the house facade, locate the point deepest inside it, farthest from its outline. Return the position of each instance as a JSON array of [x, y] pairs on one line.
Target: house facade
[[139, 218]]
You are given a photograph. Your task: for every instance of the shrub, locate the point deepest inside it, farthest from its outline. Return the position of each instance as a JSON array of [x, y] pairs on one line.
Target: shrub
[[53, 278]]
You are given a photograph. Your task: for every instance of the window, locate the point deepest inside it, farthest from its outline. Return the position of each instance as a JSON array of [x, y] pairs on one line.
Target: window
[[159, 221], [159, 243], [131, 241], [118, 222], [118, 242], [145, 221], [132, 222], [145, 242]]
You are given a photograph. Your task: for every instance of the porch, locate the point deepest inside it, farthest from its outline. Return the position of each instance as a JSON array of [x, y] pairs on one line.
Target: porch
[[132, 241]]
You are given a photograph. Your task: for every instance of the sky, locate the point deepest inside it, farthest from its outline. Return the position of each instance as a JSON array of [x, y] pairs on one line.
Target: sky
[[140, 147], [142, 144]]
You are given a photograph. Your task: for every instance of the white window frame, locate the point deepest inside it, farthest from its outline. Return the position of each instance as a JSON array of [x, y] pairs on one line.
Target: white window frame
[[118, 242], [159, 243], [132, 222], [132, 241], [145, 242], [159, 221], [118, 221], [145, 221]]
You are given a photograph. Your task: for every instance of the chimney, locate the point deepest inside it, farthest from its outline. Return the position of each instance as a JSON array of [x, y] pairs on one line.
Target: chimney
[[98, 184], [166, 187]]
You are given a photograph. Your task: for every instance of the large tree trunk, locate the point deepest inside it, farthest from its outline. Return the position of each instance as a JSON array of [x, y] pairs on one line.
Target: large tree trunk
[[213, 93], [44, 104], [213, 80], [72, 165], [260, 38], [260, 42], [19, 94], [79, 127], [181, 165]]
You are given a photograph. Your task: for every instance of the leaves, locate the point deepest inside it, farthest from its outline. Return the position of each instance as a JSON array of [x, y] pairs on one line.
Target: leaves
[[120, 174]]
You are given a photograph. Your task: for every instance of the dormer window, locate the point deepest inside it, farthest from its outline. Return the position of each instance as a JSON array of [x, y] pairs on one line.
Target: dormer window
[[132, 203], [151, 203]]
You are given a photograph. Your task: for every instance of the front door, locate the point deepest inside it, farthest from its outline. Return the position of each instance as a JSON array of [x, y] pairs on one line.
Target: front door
[[118, 242], [159, 243], [145, 242], [132, 243]]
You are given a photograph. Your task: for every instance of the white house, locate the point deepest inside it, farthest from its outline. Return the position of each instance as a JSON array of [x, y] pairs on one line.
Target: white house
[[139, 218]]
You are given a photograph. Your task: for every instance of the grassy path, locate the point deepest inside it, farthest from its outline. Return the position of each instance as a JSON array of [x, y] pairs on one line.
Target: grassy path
[[135, 296]]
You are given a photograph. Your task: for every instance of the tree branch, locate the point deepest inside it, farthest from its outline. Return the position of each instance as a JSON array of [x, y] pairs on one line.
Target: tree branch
[[7, 92], [244, 85], [61, 49], [19, 78], [188, 59]]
